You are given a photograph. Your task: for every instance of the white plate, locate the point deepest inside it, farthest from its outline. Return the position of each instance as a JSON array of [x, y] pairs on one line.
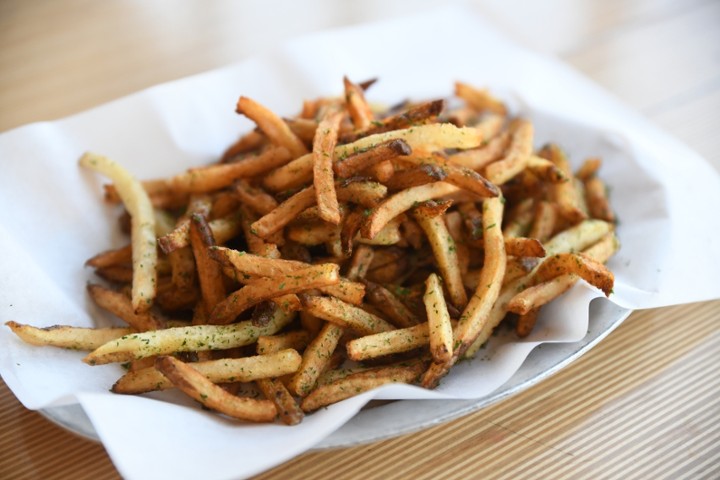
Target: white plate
[[406, 416]]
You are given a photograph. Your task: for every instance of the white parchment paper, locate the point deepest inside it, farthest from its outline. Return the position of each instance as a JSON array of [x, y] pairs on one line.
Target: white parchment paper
[[52, 219]]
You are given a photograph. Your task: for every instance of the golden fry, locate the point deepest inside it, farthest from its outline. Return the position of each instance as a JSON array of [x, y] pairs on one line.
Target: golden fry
[[226, 370], [315, 358], [271, 125], [323, 156], [271, 287], [439, 326], [195, 385], [184, 339], [346, 315], [359, 382], [144, 250], [65, 336]]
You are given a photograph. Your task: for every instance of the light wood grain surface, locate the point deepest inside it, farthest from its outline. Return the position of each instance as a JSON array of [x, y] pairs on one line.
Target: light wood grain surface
[[643, 404]]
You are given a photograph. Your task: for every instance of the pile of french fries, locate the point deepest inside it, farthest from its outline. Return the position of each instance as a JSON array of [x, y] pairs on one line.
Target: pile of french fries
[[348, 247]]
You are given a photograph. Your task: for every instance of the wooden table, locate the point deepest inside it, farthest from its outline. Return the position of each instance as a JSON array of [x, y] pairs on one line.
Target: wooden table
[[643, 404]]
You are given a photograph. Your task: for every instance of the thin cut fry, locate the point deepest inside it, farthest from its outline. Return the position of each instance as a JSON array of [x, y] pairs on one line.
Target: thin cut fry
[[360, 112], [195, 385], [445, 252], [323, 178], [388, 343], [65, 336], [357, 162], [288, 409], [226, 370], [345, 315], [144, 250], [119, 305], [475, 316], [402, 202], [439, 326], [358, 383], [271, 287], [315, 358], [594, 272], [385, 301], [517, 155], [184, 339], [271, 125], [209, 274]]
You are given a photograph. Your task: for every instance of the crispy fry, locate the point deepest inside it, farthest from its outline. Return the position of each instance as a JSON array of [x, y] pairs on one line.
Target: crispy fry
[[111, 258], [271, 125], [195, 385], [144, 250], [524, 247], [475, 316], [296, 339], [358, 383], [254, 197], [223, 229], [413, 116], [288, 409], [209, 273], [533, 297], [316, 356], [439, 327], [564, 194], [323, 178], [445, 252], [462, 177], [594, 272], [119, 305], [184, 339], [479, 158], [226, 370], [360, 112], [271, 287], [479, 99], [386, 302], [65, 336], [597, 200], [400, 203], [346, 315], [388, 343], [284, 213], [543, 225], [517, 155], [357, 162], [253, 265]]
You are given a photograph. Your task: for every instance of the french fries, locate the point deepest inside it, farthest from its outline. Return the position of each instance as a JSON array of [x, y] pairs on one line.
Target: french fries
[[338, 250], [137, 203], [65, 336], [195, 385], [227, 370]]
